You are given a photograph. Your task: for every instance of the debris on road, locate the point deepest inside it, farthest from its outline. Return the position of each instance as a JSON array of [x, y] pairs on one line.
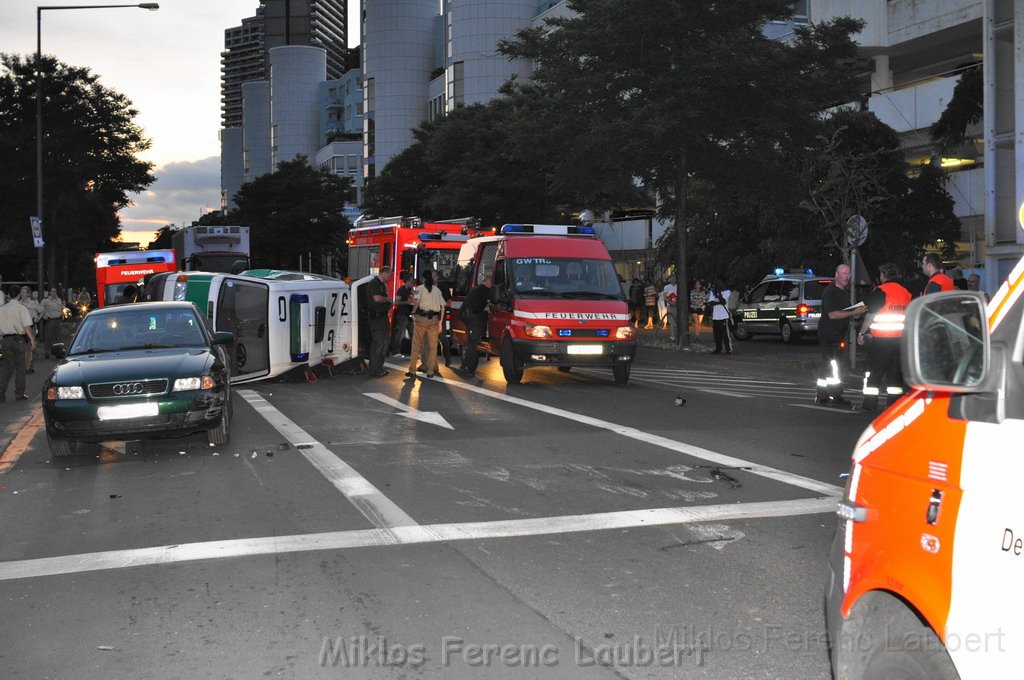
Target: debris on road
[[115, 495], [105, 648], [680, 401]]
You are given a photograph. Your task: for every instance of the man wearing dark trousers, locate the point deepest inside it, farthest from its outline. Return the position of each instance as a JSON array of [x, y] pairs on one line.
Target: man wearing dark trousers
[[718, 300], [883, 325], [474, 315], [17, 343], [403, 306], [832, 328], [378, 306]]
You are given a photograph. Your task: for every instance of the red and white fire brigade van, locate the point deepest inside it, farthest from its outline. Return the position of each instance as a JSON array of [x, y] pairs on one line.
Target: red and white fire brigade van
[[556, 300], [116, 271], [926, 577]]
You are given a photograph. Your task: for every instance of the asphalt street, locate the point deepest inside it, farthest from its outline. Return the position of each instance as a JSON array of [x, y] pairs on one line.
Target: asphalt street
[[567, 527]]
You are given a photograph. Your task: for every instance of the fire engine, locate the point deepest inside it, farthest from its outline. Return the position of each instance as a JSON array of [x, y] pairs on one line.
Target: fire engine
[[116, 271], [407, 244], [556, 300]]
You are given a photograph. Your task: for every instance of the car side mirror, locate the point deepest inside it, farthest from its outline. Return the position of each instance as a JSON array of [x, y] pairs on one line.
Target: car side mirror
[[223, 338], [57, 350], [946, 342]]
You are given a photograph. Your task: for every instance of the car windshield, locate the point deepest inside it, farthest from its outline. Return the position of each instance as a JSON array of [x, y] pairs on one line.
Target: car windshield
[[132, 328], [565, 278]]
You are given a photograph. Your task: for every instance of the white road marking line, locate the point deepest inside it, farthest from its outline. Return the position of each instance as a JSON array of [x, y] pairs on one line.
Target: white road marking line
[[432, 417], [712, 378], [408, 535], [655, 440], [375, 506], [724, 393], [830, 409]]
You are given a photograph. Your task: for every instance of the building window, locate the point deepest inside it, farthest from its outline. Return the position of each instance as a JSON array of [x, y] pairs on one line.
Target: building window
[[801, 12], [353, 161], [371, 95], [456, 84]]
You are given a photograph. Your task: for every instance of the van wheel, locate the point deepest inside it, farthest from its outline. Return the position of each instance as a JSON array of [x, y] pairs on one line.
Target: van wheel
[[621, 373], [513, 372], [789, 336], [883, 638], [740, 332]]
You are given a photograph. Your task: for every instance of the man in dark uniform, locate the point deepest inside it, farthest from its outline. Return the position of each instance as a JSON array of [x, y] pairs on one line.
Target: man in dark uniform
[[403, 306], [883, 325], [832, 338], [378, 305], [474, 315]]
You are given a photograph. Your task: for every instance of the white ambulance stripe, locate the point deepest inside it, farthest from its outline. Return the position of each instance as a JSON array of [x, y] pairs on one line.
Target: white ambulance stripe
[[572, 315], [375, 506], [410, 535], [653, 439]]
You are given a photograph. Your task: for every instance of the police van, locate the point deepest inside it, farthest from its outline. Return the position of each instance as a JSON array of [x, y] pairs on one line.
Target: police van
[[556, 300], [786, 303], [926, 572]]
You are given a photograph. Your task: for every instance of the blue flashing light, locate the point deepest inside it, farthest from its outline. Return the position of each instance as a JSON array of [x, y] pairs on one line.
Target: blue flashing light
[[809, 271], [779, 271], [564, 332], [603, 333], [302, 356], [514, 229], [589, 231], [299, 297]]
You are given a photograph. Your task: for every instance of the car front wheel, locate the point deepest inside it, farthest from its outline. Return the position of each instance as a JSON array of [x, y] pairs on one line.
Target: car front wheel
[[740, 332], [222, 433]]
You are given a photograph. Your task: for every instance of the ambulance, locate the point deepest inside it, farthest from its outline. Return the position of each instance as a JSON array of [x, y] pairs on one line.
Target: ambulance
[[556, 300], [926, 576]]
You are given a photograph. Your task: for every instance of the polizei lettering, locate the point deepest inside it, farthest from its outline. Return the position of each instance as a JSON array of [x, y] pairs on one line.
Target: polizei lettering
[[595, 316]]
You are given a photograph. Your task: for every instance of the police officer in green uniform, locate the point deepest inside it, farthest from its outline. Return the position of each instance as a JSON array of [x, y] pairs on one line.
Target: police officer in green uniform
[[17, 343]]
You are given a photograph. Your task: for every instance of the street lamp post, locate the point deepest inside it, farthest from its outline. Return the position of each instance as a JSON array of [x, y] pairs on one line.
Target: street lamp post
[[152, 7]]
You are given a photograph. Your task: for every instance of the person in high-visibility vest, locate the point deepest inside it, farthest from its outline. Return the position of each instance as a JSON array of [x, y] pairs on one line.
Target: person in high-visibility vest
[[883, 325], [931, 265]]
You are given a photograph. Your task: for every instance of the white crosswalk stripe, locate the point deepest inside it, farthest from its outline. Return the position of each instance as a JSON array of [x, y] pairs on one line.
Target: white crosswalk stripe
[[727, 385]]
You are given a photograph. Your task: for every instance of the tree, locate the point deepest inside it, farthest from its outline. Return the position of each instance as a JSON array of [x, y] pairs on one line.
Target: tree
[[293, 212], [471, 162], [671, 91], [858, 168], [965, 109], [89, 164], [162, 240]]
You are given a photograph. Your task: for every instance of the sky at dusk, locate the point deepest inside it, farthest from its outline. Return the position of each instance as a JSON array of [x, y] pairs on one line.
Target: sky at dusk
[[168, 64]]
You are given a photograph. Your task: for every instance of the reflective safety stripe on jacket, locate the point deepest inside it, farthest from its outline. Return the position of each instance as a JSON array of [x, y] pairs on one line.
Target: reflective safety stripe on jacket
[[888, 321]]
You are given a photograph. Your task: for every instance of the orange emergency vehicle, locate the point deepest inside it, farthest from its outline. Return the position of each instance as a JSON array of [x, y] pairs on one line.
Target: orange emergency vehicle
[[556, 300], [115, 271], [926, 573]]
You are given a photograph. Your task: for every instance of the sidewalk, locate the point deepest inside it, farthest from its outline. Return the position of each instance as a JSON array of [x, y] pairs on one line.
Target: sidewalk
[[15, 415]]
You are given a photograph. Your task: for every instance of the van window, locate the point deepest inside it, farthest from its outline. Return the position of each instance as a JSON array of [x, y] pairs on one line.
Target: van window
[[757, 295], [565, 277], [487, 255]]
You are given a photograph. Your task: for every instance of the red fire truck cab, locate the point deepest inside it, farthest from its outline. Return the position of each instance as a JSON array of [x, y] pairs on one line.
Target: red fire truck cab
[[116, 271], [556, 300]]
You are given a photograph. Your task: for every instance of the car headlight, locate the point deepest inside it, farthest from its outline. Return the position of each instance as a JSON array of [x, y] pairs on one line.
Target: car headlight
[[625, 333], [55, 393], [538, 331], [201, 382]]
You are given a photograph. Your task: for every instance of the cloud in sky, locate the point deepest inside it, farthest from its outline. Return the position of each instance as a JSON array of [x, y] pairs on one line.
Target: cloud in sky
[[181, 193]]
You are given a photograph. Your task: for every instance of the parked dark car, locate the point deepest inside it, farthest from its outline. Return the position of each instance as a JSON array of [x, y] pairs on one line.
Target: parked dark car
[[138, 371]]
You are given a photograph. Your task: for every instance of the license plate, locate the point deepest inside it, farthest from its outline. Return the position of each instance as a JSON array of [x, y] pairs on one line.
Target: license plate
[[126, 411], [584, 349], [750, 314]]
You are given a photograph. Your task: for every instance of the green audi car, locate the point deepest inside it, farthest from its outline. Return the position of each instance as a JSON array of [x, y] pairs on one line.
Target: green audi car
[[138, 371]]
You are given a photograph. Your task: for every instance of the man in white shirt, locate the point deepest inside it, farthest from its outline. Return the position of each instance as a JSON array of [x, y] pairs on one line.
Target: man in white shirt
[[718, 300]]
